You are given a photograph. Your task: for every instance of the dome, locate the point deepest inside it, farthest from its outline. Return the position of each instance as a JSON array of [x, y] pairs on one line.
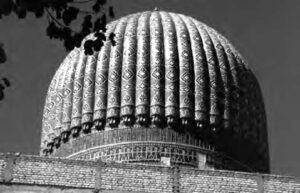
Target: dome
[[169, 79]]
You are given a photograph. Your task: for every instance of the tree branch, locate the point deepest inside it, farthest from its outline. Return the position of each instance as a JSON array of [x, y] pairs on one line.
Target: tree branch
[[54, 19], [86, 12], [81, 2]]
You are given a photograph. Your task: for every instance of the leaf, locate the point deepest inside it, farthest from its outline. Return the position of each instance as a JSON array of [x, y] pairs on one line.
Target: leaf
[[39, 13], [101, 36], [2, 55], [98, 43], [1, 92], [66, 33], [101, 2], [99, 25], [6, 82], [86, 25], [69, 44], [69, 15], [111, 12], [21, 13], [103, 21], [96, 7], [53, 31], [50, 29], [88, 47], [112, 39], [6, 7]]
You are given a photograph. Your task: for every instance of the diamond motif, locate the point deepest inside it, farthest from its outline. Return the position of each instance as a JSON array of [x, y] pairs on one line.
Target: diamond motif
[[172, 87], [171, 62], [128, 74], [157, 73], [199, 80], [67, 92], [117, 54], [185, 77], [207, 42], [142, 73], [185, 54], [219, 46], [171, 75], [58, 98], [88, 82], [114, 76], [105, 57], [199, 57], [156, 86], [211, 61], [131, 52], [112, 88], [183, 35], [77, 87], [100, 79], [142, 85]]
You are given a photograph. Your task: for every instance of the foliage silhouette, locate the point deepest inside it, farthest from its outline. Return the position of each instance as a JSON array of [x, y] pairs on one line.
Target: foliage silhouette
[[61, 15]]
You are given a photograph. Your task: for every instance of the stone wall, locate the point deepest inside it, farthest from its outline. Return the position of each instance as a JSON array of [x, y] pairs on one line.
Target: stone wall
[[32, 174]]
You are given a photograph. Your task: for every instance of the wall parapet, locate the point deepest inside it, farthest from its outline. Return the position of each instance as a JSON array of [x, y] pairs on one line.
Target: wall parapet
[[32, 170]]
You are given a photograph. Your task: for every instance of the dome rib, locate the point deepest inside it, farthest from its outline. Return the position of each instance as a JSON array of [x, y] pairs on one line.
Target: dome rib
[[142, 94], [234, 87], [88, 90], [114, 74], [68, 90], [59, 99], [156, 69], [186, 90], [49, 109], [221, 77], [212, 73], [101, 80], [171, 69], [202, 87], [129, 71], [78, 91], [227, 80], [57, 118]]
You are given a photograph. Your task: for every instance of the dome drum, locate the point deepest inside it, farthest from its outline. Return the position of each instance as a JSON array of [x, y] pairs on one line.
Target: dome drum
[[144, 145]]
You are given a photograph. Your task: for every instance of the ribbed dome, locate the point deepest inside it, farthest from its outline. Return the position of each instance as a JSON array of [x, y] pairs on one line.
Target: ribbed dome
[[166, 69]]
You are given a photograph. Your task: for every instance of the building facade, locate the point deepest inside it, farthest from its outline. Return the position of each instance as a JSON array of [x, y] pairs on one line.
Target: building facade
[[170, 106]]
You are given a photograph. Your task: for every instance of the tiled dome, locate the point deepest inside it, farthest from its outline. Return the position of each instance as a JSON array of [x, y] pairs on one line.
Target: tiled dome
[[166, 70]]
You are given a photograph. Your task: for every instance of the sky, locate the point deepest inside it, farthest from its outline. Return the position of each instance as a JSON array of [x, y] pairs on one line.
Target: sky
[[266, 32]]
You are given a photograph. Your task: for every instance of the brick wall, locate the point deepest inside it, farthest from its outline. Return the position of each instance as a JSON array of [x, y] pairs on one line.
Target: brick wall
[[223, 181], [2, 166], [45, 171], [276, 184], [33, 172], [136, 178], [53, 172]]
